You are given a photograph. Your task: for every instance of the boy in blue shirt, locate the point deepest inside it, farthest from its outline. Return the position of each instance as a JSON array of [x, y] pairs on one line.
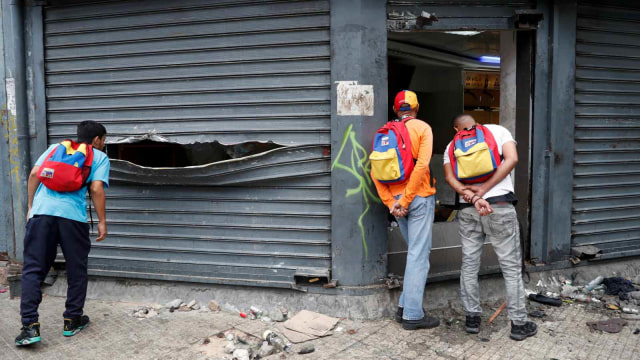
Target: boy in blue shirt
[[61, 218]]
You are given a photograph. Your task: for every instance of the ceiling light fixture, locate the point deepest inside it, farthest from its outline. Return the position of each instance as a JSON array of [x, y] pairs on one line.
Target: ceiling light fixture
[[490, 59], [463, 33]]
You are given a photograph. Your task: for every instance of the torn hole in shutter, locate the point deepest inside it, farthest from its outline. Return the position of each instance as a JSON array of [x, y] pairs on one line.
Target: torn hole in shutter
[[155, 160], [150, 153]]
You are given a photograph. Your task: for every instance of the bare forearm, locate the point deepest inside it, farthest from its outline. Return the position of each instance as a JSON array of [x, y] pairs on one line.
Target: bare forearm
[[32, 186], [99, 203]]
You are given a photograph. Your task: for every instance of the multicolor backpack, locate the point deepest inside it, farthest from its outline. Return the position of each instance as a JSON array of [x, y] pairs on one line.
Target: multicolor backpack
[[474, 155], [67, 167], [391, 158]]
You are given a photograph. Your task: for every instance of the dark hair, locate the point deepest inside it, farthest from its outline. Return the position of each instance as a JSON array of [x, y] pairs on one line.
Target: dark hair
[[88, 130], [458, 118]]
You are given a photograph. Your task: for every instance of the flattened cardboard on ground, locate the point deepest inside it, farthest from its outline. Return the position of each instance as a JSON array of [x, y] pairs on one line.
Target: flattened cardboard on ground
[[307, 325]]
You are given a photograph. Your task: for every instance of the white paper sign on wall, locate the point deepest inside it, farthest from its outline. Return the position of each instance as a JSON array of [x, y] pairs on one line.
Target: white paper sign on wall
[[354, 99]]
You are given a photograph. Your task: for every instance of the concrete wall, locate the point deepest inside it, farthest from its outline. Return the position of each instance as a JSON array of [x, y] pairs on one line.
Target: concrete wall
[[364, 304]]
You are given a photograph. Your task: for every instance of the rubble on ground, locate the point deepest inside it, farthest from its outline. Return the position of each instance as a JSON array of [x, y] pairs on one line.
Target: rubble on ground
[[618, 296]]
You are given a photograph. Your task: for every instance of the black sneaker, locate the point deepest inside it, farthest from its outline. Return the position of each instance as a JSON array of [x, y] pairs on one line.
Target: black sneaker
[[73, 326], [427, 322], [400, 312], [29, 335], [472, 324], [521, 332], [399, 315]]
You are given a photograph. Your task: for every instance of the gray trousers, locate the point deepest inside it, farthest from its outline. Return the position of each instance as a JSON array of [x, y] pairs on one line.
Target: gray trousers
[[501, 229]]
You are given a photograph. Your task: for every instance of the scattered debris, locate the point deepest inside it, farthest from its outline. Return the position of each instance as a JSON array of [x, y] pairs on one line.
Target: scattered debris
[[184, 308], [241, 354], [229, 348], [243, 315], [276, 341], [330, 285], [636, 331], [314, 280], [3, 290], [611, 306], [214, 306], [339, 329], [545, 300], [255, 313], [495, 314], [611, 326], [307, 349], [484, 340], [174, 304], [205, 341], [587, 252], [629, 310], [308, 325], [265, 319], [618, 286], [631, 317], [279, 315], [144, 312], [352, 331], [266, 350], [595, 282], [537, 314]]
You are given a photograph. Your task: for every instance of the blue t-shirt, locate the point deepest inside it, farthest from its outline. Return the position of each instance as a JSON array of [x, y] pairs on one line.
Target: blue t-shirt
[[69, 205]]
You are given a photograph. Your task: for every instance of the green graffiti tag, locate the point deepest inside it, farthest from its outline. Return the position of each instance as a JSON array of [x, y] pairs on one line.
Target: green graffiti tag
[[360, 169]]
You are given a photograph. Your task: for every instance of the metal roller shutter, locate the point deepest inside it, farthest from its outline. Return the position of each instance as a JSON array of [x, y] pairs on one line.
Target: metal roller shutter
[[202, 71], [606, 194]]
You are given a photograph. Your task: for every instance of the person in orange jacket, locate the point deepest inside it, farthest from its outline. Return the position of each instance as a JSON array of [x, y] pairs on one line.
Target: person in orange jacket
[[413, 203]]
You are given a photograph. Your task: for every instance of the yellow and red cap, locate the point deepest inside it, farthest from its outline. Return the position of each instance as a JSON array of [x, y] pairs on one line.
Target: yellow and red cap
[[405, 100]]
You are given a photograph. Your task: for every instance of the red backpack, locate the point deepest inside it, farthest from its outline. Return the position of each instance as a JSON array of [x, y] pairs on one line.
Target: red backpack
[[67, 167]]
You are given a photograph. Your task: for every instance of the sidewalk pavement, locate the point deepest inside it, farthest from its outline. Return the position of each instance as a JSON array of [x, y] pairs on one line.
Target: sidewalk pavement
[[114, 334]]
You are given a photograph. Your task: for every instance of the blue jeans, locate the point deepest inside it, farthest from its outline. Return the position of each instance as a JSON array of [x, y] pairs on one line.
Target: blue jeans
[[416, 228]]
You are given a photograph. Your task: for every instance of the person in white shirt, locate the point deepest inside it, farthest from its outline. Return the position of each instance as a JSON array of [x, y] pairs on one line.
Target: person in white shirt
[[487, 212]]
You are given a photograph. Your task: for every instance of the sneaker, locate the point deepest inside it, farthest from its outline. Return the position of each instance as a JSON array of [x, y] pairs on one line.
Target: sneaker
[[472, 324], [73, 326], [399, 315], [427, 322], [29, 335], [521, 332], [400, 312]]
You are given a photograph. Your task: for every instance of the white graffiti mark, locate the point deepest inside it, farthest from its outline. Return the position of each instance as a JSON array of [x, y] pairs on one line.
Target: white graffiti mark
[[10, 84]]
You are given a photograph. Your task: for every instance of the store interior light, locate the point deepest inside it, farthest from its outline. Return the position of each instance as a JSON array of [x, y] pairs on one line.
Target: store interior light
[[463, 33], [490, 59]]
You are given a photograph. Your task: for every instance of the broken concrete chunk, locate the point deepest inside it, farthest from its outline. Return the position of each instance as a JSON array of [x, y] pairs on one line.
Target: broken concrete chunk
[[191, 303], [152, 313], [213, 305], [241, 354], [266, 350], [196, 307], [184, 308], [174, 304], [229, 348]]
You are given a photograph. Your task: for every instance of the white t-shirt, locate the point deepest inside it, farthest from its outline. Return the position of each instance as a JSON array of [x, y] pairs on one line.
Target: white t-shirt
[[502, 136]]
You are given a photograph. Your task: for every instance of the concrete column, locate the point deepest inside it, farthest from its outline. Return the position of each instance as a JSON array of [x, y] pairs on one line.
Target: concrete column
[[508, 80], [358, 109]]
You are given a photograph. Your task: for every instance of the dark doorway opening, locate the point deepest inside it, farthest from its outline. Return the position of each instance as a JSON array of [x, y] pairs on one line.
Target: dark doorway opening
[[164, 154]]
